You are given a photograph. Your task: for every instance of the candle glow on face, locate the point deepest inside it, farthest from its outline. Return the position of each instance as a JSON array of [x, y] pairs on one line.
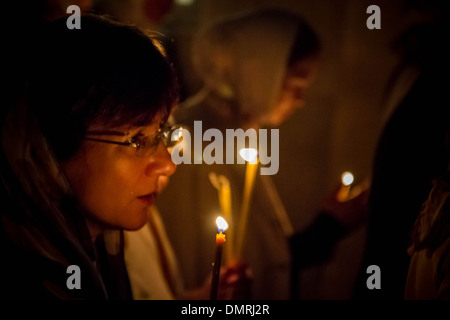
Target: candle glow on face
[[249, 154], [347, 178]]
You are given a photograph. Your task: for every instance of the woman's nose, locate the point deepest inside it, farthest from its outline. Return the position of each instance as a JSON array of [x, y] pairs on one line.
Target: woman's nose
[[161, 162]]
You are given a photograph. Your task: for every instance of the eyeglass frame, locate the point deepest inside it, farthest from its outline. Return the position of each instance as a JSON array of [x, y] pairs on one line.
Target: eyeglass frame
[[158, 138]]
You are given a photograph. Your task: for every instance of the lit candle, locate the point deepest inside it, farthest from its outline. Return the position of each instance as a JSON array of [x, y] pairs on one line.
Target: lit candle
[[222, 225], [250, 155], [344, 190], [222, 184]]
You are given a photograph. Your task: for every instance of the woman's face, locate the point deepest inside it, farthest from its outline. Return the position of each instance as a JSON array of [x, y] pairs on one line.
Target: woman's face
[[114, 185], [299, 77]]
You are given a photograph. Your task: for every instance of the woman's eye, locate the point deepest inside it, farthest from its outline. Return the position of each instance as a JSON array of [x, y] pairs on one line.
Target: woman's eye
[[137, 139]]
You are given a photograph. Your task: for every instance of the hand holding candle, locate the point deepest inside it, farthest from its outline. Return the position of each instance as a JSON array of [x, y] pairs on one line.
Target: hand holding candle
[[349, 204], [222, 225]]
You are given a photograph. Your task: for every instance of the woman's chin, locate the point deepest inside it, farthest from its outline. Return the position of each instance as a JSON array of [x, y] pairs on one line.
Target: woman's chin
[[138, 221]]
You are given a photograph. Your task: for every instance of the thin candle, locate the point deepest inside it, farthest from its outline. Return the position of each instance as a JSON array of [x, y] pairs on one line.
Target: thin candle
[[222, 225], [251, 157]]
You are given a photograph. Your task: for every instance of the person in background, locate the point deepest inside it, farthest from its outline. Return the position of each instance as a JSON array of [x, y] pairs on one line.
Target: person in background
[[410, 155], [255, 68], [411, 151], [429, 269]]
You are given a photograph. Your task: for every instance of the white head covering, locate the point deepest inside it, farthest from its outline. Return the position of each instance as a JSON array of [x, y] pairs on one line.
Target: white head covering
[[243, 58]]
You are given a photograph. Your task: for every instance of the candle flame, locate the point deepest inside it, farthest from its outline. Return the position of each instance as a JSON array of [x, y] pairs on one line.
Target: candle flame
[[249, 154], [222, 225], [347, 178]]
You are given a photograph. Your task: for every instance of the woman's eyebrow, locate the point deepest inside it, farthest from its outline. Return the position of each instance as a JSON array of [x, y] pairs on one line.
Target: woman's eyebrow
[[107, 132], [145, 131]]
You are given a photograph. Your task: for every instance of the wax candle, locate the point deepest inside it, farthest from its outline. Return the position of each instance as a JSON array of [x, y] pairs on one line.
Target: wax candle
[[222, 225], [222, 184], [251, 157], [346, 183], [225, 203]]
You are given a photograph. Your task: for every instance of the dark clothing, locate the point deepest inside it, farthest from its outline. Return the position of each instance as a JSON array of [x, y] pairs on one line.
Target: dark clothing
[[314, 245], [411, 154]]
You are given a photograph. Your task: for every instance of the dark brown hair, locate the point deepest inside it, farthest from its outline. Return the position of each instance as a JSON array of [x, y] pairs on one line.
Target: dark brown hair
[[105, 73]]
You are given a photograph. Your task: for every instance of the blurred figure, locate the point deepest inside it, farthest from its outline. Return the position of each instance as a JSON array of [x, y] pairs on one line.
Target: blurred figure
[[411, 151], [258, 66], [255, 68]]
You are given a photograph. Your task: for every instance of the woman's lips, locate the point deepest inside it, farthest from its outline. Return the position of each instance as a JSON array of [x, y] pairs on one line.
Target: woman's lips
[[148, 198]]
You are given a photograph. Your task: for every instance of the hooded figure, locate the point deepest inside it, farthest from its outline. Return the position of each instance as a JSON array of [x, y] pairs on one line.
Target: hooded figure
[[243, 60], [254, 67]]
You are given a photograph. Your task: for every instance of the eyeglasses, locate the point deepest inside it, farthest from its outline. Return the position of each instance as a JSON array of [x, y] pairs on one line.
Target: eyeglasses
[[144, 145]]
